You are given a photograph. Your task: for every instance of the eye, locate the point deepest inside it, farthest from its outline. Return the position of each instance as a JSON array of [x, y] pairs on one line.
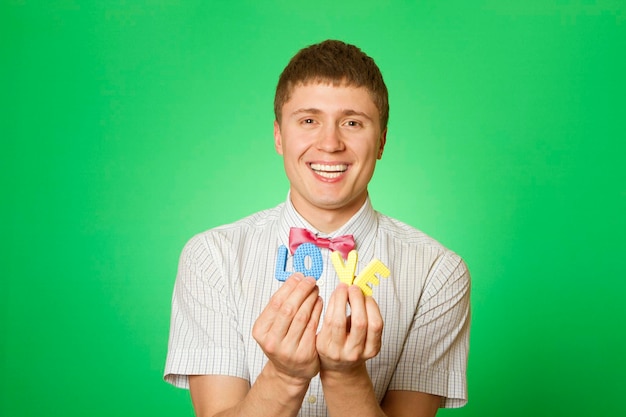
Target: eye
[[353, 123]]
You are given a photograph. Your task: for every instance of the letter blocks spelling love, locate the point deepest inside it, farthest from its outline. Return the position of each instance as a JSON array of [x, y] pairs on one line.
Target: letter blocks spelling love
[[345, 271]]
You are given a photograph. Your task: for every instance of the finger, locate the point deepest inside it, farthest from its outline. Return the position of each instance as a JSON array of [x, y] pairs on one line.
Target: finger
[[358, 320], [282, 294], [337, 319], [267, 318], [290, 307], [375, 327], [309, 334], [302, 317], [325, 335]]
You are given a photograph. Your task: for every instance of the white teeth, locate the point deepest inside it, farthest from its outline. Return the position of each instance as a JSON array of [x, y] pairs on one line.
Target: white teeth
[[328, 174], [329, 169]]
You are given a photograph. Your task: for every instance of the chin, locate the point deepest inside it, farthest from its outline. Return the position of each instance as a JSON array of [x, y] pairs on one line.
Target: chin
[[335, 203]]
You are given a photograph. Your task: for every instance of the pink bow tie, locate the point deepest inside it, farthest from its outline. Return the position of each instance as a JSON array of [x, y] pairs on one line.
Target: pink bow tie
[[342, 244]]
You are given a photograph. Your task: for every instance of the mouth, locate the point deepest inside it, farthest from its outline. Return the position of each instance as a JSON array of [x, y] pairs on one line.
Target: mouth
[[329, 171]]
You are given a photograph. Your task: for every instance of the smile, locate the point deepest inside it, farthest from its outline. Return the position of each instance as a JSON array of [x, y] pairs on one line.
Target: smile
[[329, 171]]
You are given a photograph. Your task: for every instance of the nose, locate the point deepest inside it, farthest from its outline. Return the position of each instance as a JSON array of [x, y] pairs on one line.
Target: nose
[[330, 140]]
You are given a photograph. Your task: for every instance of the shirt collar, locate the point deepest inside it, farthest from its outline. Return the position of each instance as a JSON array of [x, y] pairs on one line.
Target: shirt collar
[[363, 225]]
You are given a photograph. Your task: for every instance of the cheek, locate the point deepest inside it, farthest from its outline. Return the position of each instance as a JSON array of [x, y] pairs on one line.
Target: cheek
[[370, 152], [296, 147]]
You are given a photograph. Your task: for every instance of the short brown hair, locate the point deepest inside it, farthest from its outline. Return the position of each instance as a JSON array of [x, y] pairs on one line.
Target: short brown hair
[[334, 62]]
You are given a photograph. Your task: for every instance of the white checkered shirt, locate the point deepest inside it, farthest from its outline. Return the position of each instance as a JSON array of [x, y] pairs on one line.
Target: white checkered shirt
[[227, 275]]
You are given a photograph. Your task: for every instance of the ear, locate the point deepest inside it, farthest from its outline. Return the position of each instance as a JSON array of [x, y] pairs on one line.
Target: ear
[[383, 140], [278, 139]]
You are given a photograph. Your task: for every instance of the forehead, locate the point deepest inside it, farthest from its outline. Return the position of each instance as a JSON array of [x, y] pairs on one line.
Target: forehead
[[329, 96]]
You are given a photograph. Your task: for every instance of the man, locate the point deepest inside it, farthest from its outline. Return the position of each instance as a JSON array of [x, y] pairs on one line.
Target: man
[[265, 323]]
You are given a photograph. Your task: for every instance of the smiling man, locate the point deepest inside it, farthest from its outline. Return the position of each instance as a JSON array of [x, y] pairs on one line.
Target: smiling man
[[265, 319], [330, 138]]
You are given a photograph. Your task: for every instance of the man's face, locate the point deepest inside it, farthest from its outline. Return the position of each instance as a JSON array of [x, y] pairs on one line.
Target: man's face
[[330, 138]]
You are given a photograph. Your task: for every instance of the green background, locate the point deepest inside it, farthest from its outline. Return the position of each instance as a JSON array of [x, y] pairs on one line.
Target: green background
[[129, 126]]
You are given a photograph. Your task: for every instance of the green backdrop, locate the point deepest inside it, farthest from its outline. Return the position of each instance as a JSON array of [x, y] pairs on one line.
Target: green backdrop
[[128, 126]]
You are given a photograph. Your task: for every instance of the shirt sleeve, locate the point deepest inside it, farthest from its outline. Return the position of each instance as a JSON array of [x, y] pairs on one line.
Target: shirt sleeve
[[204, 334], [434, 357]]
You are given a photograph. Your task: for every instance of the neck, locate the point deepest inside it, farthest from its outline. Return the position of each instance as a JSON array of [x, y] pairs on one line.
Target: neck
[[327, 220]]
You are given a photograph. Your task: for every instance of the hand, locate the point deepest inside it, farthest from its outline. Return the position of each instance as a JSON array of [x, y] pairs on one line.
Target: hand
[[346, 342], [286, 328]]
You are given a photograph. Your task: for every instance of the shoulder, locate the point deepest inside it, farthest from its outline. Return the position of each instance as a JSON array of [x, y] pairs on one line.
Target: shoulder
[[232, 234], [396, 230], [256, 221], [409, 242]]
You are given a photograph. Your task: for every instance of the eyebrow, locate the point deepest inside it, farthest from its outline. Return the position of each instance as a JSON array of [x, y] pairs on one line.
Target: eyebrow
[[349, 112], [346, 112], [310, 110]]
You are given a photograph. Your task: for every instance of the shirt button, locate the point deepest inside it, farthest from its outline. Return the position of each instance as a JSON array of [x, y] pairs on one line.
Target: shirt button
[[312, 399], [320, 282]]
